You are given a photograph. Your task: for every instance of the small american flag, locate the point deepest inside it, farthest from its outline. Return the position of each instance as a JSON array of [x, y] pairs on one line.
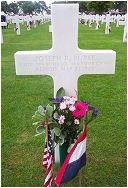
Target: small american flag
[[47, 160]]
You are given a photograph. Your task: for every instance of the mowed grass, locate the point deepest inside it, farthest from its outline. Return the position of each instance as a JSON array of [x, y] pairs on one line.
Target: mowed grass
[[21, 95]]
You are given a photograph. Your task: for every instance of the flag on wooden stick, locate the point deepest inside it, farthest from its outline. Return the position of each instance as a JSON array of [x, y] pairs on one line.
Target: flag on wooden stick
[[48, 158]]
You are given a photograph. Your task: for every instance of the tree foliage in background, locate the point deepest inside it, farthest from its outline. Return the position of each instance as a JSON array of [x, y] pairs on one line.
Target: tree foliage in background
[[37, 7], [25, 6], [83, 6], [64, 2], [121, 5], [4, 6], [42, 6], [13, 7], [99, 6]]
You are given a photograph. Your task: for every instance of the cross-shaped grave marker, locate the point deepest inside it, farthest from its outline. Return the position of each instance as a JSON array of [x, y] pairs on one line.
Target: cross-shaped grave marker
[[90, 20], [2, 24], [118, 17], [17, 22], [102, 18], [65, 62], [125, 30], [50, 28], [34, 17], [97, 21], [107, 24], [28, 22]]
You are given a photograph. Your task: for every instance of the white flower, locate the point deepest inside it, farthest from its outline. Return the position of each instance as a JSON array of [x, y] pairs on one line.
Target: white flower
[[62, 105], [73, 100], [66, 97], [72, 108], [76, 121], [61, 119]]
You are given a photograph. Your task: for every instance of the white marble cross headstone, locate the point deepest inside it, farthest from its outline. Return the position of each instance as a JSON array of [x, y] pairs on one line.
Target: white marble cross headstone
[[65, 62], [114, 18], [97, 21], [42, 18], [50, 28], [90, 21], [28, 22], [121, 22], [2, 24], [118, 17], [34, 17], [17, 28], [21, 19], [107, 24], [125, 30], [102, 19], [85, 19]]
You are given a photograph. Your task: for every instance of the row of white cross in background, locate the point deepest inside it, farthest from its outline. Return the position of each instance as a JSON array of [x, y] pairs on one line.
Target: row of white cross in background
[[28, 19], [112, 18], [118, 19], [87, 19]]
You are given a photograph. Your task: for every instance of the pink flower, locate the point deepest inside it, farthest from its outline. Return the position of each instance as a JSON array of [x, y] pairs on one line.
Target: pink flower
[[76, 121], [69, 100], [72, 108], [81, 109], [61, 119], [62, 105]]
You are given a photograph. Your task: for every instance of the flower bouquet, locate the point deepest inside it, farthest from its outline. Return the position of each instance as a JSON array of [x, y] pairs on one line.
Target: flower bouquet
[[64, 115]]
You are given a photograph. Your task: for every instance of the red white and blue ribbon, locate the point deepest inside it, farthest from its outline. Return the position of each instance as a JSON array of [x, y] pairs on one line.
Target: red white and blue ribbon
[[74, 161]]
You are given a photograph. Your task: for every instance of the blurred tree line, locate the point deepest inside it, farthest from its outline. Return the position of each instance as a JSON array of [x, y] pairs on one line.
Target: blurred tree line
[[37, 7], [24, 6], [101, 6]]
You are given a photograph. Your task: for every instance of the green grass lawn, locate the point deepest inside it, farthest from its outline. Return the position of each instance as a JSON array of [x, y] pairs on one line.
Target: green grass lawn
[[21, 95]]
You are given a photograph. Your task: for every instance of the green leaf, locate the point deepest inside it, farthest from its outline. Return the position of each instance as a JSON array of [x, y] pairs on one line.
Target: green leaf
[[56, 115], [52, 125], [38, 134], [36, 123], [62, 136], [69, 123], [60, 92], [59, 141], [52, 132], [40, 129], [49, 110], [39, 115], [57, 131], [41, 110], [33, 117]]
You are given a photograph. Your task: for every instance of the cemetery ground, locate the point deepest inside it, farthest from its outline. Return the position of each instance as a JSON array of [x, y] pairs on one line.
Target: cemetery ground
[[21, 95]]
